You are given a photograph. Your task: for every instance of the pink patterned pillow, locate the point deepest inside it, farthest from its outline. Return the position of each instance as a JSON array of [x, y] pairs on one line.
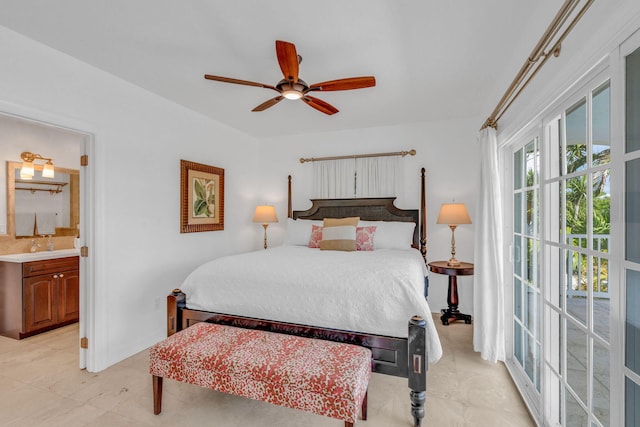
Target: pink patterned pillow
[[316, 236], [364, 238]]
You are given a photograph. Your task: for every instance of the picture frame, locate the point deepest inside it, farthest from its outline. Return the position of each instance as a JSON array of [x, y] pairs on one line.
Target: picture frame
[[201, 197]]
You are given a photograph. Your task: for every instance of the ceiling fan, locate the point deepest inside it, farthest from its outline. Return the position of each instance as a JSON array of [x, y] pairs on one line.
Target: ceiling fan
[[292, 87]]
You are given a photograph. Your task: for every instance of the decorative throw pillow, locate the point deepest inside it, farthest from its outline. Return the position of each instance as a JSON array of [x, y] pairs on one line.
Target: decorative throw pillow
[[364, 238], [316, 236], [339, 234]]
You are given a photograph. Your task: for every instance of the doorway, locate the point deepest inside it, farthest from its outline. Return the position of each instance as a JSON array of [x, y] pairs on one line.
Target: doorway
[[64, 145]]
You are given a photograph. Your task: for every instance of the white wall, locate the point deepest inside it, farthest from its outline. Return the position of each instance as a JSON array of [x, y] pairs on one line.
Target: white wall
[[447, 150], [138, 254]]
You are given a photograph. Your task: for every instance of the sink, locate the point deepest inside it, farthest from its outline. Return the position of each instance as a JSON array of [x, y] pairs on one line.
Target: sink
[[37, 256]]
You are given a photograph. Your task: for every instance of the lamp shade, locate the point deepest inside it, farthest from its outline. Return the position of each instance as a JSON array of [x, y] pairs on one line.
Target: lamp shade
[[26, 172], [47, 170], [265, 214], [453, 213]]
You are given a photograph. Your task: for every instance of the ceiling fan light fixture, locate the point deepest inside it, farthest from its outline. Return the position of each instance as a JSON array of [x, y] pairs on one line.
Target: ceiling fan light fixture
[[292, 94], [293, 87], [292, 90]]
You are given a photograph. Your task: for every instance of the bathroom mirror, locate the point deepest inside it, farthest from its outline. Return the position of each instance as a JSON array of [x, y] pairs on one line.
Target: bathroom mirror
[[58, 197]]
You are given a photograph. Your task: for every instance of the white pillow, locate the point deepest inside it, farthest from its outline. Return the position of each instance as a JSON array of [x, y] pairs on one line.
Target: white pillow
[[299, 231], [391, 234]]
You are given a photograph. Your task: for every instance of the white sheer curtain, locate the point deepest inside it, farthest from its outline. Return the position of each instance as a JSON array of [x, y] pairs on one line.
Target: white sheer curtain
[[334, 179], [360, 177], [377, 176], [488, 295]]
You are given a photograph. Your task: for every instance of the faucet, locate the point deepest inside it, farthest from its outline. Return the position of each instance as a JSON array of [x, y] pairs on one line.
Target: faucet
[[34, 245]]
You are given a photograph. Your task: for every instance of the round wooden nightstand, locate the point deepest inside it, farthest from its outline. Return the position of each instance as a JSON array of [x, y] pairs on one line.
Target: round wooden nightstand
[[464, 269]]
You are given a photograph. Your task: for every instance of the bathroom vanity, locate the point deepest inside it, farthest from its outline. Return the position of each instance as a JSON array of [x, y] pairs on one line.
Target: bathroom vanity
[[38, 292]]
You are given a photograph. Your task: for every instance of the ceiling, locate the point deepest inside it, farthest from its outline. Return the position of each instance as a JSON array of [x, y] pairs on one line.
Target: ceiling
[[433, 60]]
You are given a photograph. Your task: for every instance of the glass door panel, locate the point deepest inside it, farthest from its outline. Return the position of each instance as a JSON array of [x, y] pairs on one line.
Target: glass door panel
[[526, 263], [632, 101], [632, 241], [632, 210], [601, 299], [632, 327], [601, 126], [601, 386], [577, 360]]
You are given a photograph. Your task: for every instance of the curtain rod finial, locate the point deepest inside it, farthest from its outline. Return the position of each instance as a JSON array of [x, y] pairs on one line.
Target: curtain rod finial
[[491, 122]]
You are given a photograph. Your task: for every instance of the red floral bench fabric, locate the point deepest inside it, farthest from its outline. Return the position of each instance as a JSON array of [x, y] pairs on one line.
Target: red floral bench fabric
[[318, 376]]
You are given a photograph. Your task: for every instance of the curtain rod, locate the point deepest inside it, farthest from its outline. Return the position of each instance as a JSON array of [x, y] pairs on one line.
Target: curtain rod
[[359, 156], [531, 66]]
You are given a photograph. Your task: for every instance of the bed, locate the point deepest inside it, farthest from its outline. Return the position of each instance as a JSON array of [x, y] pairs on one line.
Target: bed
[[332, 295]]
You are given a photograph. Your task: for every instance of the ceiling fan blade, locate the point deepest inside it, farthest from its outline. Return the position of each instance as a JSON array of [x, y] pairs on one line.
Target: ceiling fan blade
[[345, 84], [270, 103], [238, 81], [288, 60], [320, 105]]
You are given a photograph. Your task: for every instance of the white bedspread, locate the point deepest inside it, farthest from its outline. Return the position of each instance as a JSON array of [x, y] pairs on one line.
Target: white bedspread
[[374, 292]]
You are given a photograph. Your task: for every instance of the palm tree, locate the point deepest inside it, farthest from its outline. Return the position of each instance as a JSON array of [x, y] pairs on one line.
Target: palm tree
[[575, 197]]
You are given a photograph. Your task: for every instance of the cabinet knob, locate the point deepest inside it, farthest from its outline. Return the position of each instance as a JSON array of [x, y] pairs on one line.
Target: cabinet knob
[[55, 276], [61, 275]]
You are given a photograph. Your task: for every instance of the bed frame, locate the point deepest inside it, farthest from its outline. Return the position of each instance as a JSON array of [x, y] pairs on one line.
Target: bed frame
[[403, 357]]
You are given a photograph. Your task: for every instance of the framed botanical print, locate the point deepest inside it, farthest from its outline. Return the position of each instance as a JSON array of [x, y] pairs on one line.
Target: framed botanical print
[[201, 197]]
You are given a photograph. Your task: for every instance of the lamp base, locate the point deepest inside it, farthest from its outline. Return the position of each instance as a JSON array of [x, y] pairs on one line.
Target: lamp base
[[265, 225], [453, 262]]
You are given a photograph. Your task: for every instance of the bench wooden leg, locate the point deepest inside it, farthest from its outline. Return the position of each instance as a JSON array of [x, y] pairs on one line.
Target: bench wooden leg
[[348, 424], [363, 410], [157, 394]]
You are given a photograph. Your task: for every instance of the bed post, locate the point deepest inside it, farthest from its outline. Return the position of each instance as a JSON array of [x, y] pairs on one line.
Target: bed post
[[289, 208], [176, 301], [423, 217], [417, 367]]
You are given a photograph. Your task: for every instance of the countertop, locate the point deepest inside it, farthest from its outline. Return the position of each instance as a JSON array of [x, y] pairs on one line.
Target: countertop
[[37, 256]]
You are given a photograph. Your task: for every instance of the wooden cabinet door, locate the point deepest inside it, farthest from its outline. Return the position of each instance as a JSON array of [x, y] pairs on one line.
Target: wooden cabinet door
[[39, 302], [69, 296]]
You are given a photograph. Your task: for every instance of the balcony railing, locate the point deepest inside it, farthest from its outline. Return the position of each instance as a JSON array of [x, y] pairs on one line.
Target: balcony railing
[[577, 267]]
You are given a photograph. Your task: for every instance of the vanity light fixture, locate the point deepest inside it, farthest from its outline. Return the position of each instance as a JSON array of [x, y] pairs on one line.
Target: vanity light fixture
[[265, 214], [27, 171]]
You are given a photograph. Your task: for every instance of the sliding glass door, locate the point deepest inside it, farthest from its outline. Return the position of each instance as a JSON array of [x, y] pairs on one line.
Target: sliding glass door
[[561, 286], [574, 182], [631, 277], [576, 247]]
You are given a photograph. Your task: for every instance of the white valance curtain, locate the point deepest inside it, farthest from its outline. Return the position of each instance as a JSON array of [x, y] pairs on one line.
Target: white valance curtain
[[377, 176], [488, 295], [357, 177], [334, 179]]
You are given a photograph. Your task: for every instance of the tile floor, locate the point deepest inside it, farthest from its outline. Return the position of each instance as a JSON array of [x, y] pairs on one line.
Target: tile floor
[[40, 385]]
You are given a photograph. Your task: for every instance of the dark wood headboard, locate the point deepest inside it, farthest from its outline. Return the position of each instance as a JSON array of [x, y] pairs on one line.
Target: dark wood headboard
[[369, 209]]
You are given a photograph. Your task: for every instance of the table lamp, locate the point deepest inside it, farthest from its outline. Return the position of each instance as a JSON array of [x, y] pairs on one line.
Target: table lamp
[[453, 214], [265, 214]]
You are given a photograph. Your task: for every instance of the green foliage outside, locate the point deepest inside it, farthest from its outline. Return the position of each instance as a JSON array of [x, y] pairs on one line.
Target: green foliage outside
[[576, 214]]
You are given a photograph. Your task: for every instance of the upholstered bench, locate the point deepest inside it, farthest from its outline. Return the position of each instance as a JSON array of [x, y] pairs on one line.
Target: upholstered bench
[[318, 376]]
